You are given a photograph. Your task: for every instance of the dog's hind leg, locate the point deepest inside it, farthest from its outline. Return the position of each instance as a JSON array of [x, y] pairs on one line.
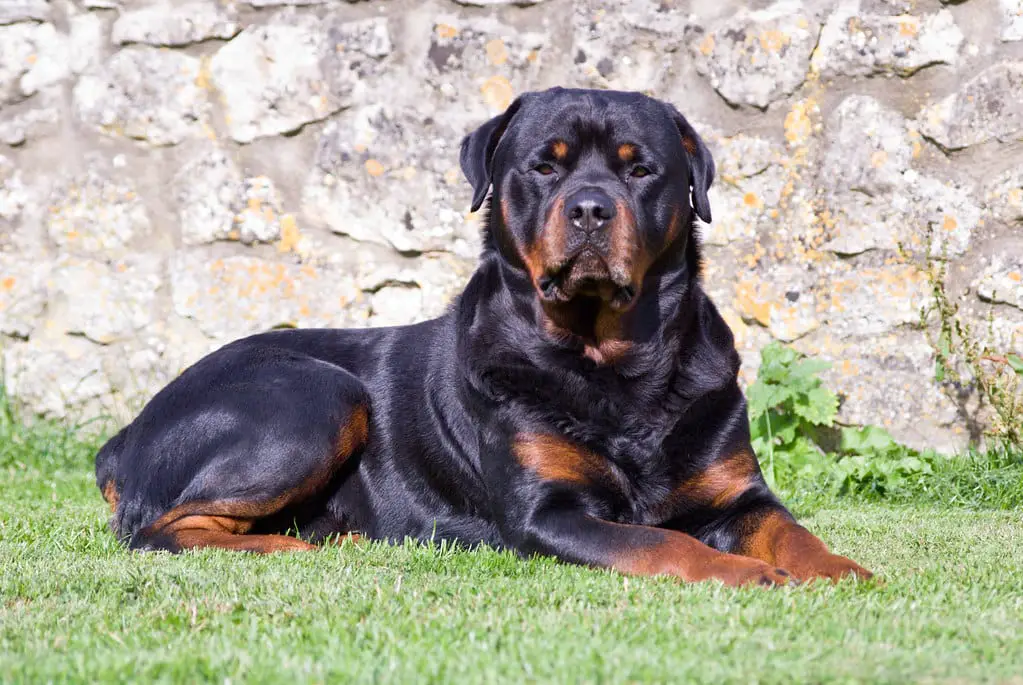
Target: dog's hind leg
[[106, 470], [282, 456]]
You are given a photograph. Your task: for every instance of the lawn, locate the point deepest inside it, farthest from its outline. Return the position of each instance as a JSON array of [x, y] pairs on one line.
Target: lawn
[[74, 606]]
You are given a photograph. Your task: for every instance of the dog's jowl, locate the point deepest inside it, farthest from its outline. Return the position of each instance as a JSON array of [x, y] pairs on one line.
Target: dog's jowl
[[579, 399]]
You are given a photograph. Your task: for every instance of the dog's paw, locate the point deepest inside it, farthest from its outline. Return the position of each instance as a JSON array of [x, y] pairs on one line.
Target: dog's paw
[[833, 567], [740, 571]]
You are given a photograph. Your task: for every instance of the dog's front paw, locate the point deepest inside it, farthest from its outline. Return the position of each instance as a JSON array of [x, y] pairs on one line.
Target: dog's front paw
[[738, 571], [832, 567]]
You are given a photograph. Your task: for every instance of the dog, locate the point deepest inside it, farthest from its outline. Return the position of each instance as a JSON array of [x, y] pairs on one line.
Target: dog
[[578, 400]]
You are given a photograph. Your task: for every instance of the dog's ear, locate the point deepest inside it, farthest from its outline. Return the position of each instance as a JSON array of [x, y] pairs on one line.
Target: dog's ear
[[478, 148], [701, 165]]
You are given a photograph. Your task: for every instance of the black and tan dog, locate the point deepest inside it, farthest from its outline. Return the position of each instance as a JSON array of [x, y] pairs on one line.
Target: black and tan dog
[[578, 400]]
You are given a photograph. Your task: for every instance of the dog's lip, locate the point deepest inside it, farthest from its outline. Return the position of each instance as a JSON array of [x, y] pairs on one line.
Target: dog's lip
[[558, 285]]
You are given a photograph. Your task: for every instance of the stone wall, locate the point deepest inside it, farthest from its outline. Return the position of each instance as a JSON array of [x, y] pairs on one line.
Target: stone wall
[[178, 173]]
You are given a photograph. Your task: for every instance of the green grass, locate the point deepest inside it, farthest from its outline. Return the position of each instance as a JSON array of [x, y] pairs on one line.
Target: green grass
[[74, 606]]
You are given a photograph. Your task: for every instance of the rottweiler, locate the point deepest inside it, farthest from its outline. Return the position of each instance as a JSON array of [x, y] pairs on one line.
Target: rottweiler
[[579, 399]]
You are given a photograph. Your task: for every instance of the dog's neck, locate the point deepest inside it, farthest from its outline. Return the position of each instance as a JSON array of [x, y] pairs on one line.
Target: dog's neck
[[583, 333], [506, 356]]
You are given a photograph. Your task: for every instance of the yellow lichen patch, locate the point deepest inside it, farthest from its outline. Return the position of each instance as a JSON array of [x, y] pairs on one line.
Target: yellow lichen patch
[[706, 45], [739, 328], [497, 92], [799, 122], [290, 234], [1015, 197], [203, 79], [235, 234], [754, 257], [7, 283], [1015, 276], [908, 26], [878, 159], [374, 168], [446, 31], [751, 200], [533, 56], [751, 304], [773, 40], [497, 53], [950, 223]]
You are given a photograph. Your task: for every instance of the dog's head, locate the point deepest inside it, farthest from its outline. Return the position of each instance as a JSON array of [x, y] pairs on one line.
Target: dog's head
[[590, 189]]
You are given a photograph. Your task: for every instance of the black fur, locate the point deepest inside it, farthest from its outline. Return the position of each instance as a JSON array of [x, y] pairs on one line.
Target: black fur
[[448, 398]]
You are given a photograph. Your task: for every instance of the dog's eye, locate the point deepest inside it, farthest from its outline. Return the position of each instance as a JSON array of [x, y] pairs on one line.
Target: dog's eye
[[640, 172], [545, 169]]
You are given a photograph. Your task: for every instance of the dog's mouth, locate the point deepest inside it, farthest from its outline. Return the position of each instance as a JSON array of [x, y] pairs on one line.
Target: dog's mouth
[[587, 274]]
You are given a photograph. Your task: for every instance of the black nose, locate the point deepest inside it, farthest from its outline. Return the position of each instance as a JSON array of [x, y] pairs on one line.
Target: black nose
[[589, 209]]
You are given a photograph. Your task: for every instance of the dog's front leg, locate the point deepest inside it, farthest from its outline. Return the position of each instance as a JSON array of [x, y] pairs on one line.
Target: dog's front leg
[[574, 536], [770, 533], [552, 500], [739, 514]]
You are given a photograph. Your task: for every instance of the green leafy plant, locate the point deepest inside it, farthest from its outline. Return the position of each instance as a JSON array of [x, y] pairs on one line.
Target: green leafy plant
[[787, 406], [871, 461], [792, 416]]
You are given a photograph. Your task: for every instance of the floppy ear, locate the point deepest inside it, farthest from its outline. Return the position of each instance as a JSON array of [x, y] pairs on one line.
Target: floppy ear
[[477, 158], [701, 165]]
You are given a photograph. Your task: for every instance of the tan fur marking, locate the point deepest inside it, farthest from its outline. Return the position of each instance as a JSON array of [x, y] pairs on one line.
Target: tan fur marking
[[354, 434], [627, 152], [722, 482], [549, 244], [678, 555], [554, 458], [674, 228], [111, 495], [765, 541], [685, 557], [626, 253], [560, 150], [689, 144], [611, 343], [533, 259], [194, 532], [607, 352], [624, 236], [778, 539]]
